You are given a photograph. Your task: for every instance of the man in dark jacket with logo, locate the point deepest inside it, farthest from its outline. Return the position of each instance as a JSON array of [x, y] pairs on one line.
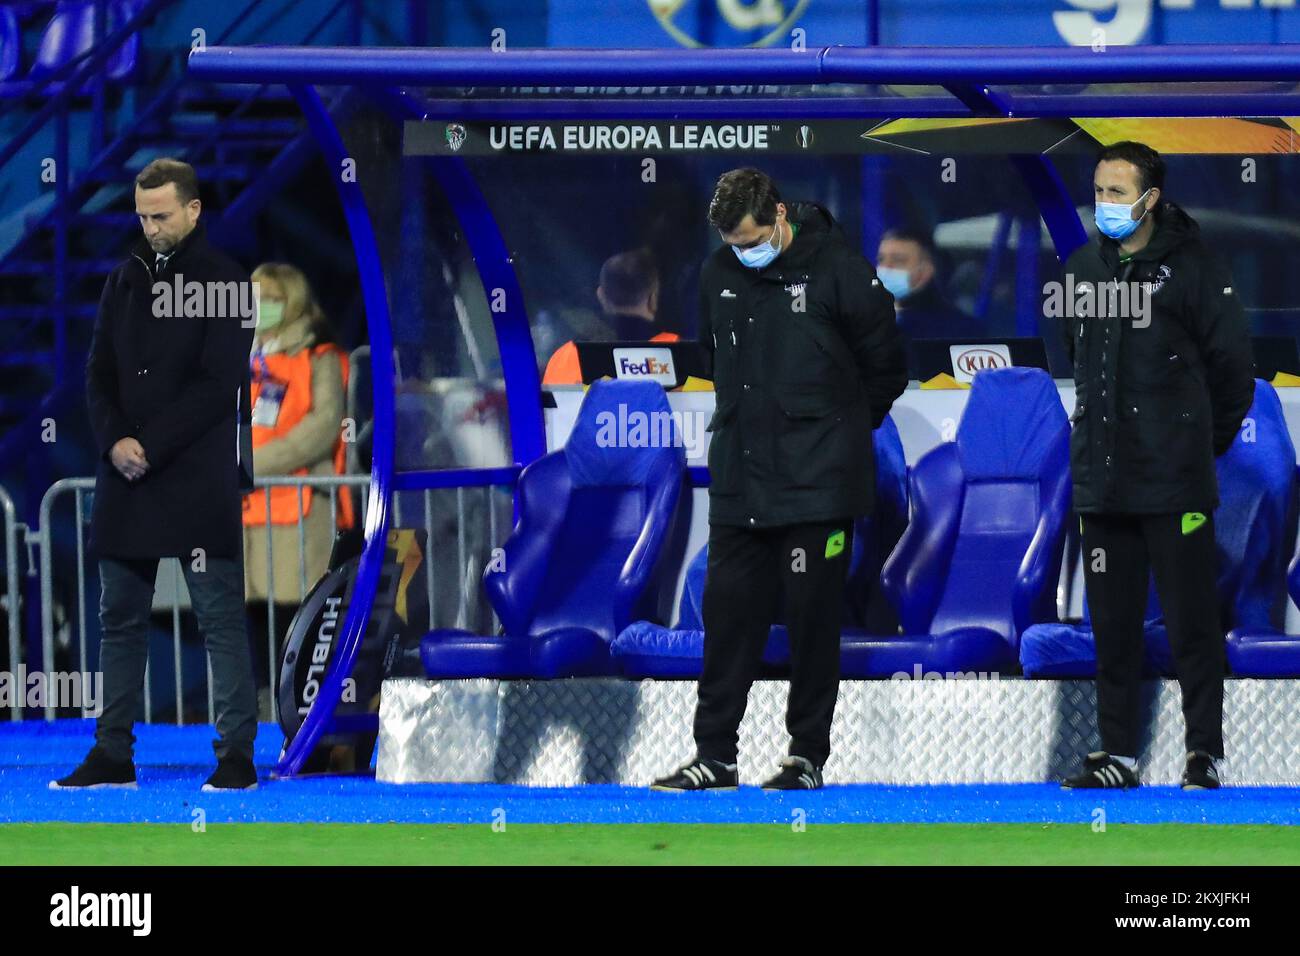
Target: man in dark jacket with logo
[[807, 360], [1163, 382], [167, 386]]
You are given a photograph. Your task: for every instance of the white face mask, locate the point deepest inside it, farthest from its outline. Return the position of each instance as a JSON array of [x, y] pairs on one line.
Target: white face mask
[[755, 257]]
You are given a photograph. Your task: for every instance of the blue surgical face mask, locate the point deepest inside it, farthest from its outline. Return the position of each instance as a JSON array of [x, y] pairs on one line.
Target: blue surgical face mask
[[755, 257], [897, 281], [1115, 219]]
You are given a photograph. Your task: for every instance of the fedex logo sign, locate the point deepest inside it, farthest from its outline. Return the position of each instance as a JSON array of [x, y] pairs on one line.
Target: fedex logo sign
[[654, 364]]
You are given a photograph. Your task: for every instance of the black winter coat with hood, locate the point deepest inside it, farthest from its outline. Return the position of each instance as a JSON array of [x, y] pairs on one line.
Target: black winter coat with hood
[[806, 361], [1159, 393]]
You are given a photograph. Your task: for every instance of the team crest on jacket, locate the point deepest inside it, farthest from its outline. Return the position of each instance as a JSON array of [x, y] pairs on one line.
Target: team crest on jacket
[[1163, 275]]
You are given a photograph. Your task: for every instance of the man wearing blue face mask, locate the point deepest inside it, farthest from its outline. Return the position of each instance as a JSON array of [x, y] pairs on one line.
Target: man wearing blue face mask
[[806, 361], [905, 262], [1163, 379]]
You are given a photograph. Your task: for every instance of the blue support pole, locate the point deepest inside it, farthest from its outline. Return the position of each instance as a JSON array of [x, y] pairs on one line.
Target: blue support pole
[[991, 265], [875, 218], [1028, 294], [923, 66], [1054, 203], [63, 173], [374, 293], [495, 265]]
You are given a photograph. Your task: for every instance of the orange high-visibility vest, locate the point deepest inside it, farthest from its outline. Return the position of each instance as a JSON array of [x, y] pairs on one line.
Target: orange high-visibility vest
[[293, 372], [564, 368]]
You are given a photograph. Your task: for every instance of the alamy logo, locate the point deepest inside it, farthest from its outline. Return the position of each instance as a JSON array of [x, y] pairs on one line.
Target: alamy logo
[[81, 690], [1080, 298], [206, 300], [74, 909], [635, 428]]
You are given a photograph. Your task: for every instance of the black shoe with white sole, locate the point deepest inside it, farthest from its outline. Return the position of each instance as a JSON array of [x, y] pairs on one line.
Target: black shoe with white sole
[[1200, 774], [232, 773], [700, 774], [98, 772], [796, 773], [1101, 771]]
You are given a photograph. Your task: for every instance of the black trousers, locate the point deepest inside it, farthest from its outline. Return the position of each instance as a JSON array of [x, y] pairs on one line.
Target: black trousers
[[748, 570], [1120, 552], [217, 594]]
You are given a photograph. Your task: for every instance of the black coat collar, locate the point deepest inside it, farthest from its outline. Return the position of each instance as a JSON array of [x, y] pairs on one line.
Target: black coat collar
[[196, 239]]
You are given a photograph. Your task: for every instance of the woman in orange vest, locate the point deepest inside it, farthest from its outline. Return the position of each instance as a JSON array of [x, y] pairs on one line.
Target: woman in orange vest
[[299, 380]]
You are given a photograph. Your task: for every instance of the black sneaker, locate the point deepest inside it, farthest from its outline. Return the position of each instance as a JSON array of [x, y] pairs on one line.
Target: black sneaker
[[796, 773], [1201, 774], [1101, 771], [232, 773], [700, 774], [98, 772]]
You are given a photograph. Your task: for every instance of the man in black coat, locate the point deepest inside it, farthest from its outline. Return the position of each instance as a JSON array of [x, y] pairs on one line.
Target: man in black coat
[[167, 388], [807, 360], [1164, 377]]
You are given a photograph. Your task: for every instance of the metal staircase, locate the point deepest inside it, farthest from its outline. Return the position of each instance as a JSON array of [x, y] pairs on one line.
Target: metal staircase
[[241, 140]]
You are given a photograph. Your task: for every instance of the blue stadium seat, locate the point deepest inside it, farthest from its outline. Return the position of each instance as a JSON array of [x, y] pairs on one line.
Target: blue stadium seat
[[1069, 650], [1254, 534], [70, 33], [981, 555], [1257, 644], [584, 559], [647, 649], [1267, 651], [876, 535], [11, 44], [122, 64]]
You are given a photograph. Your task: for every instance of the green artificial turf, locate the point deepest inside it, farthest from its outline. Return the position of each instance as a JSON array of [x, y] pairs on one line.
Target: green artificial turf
[[642, 844]]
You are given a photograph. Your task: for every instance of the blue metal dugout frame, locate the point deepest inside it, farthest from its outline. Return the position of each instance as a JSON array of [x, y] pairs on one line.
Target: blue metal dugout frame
[[978, 81]]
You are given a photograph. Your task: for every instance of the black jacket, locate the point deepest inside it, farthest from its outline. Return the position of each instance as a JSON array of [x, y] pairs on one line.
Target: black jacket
[[1157, 397], [178, 385], [806, 360], [927, 314]]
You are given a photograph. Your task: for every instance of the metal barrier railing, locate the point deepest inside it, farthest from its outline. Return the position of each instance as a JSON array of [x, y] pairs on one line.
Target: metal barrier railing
[[470, 557], [11, 527]]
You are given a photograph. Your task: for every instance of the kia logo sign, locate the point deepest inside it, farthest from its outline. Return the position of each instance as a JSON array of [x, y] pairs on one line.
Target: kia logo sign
[[977, 359], [969, 359]]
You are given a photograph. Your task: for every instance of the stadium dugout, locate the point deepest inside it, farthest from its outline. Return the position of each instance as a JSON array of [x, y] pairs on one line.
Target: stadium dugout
[[437, 109]]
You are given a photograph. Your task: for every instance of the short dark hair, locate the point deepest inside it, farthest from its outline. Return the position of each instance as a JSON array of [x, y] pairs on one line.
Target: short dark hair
[[166, 170], [1150, 167], [628, 277], [918, 236], [741, 192]]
